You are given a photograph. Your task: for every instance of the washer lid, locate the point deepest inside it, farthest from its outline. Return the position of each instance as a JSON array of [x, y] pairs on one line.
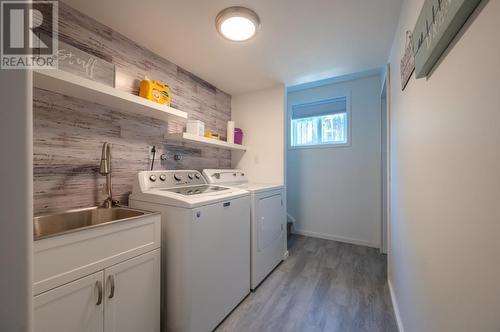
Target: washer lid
[[195, 190], [180, 197]]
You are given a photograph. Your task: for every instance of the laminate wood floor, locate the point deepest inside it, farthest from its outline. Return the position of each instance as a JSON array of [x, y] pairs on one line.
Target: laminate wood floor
[[323, 286]]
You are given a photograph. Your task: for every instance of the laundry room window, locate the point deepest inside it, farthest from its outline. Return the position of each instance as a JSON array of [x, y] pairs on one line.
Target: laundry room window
[[320, 124]]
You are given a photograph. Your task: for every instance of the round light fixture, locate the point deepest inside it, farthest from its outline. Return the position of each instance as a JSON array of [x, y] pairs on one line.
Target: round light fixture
[[237, 23]]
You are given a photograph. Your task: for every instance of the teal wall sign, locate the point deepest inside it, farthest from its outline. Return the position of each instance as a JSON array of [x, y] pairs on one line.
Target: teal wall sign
[[438, 23]]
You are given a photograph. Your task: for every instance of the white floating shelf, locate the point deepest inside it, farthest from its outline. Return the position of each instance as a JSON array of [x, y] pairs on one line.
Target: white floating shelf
[[75, 86], [190, 138]]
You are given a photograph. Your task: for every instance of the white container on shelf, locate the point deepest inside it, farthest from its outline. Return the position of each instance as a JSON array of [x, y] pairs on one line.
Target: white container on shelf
[[195, 127], [230, 132]]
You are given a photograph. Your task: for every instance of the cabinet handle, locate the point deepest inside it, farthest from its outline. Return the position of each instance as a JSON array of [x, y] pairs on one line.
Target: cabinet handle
[[111, 280], [98, 284]]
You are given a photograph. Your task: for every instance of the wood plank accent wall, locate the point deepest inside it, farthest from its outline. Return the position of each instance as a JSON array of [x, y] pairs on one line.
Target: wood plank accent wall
[[68, 132]]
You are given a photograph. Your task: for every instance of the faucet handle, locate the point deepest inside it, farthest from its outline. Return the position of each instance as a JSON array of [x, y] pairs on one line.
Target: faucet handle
[[109, 203]]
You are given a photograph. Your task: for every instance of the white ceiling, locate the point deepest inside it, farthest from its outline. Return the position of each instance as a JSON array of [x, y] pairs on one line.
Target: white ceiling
[[299, 41]]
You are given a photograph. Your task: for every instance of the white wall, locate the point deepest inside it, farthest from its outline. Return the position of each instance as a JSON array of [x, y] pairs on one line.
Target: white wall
[[261, 116], [335, 192], [445, 161], [16, 201]]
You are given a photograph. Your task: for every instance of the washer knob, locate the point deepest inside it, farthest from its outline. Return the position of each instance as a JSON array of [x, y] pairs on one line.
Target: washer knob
[[177, 177], [163, 177], [197, 176], [152, 178], [190, 176]]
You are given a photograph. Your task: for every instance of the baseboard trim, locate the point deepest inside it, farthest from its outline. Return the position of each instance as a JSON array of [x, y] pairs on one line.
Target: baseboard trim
[[335, 238], [395, 307]]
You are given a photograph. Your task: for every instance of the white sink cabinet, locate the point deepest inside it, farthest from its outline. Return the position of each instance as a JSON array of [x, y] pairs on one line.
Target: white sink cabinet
[[104, 279]]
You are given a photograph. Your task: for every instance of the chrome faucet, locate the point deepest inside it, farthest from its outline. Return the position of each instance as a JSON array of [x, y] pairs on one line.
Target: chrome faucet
[[105, 169]]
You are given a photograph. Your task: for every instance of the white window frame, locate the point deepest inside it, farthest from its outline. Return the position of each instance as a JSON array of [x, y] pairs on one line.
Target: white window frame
[[320, 146]]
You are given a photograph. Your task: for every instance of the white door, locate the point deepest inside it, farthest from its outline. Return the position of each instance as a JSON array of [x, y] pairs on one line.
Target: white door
[[132, 295], [73, 307], [268, 236]]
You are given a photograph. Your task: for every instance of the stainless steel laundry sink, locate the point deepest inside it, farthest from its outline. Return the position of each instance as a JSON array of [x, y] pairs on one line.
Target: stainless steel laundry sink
[[76, 220]]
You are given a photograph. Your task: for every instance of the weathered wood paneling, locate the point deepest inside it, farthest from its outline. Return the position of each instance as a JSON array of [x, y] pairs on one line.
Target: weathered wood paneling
[[68, 132]]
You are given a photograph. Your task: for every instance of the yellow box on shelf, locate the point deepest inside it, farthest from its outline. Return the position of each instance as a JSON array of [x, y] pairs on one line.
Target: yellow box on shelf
[[212, 135], [156, 91]]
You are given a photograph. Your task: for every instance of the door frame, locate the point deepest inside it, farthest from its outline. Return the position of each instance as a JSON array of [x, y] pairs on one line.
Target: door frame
[[385, 238]]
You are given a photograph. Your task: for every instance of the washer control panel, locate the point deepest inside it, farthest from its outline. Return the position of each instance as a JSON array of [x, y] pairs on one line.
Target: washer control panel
[[169, 179], [225, 176]]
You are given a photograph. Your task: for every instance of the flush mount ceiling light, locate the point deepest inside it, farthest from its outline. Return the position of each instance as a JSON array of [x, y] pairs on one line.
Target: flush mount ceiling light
[[237, 23]]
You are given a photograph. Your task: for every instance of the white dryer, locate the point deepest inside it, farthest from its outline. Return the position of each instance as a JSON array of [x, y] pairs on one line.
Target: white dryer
[[268, 220], [205, 246]]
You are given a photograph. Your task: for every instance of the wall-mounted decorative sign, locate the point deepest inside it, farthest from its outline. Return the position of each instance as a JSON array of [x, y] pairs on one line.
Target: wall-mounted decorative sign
[[407, 65], [81, 63], [438, 23]]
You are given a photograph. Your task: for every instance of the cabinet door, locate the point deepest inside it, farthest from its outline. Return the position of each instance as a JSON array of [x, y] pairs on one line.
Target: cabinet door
[[73, 307], [132, 295]]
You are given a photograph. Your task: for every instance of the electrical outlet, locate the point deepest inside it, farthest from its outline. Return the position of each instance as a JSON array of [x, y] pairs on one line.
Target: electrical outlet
[[150, 152]]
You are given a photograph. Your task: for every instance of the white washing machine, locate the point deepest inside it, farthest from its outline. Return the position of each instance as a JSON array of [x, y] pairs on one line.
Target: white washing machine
[[205, 246], [268, 220]]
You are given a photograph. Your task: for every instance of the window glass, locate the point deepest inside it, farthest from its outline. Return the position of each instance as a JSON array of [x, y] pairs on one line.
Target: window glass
[[327, 125]]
